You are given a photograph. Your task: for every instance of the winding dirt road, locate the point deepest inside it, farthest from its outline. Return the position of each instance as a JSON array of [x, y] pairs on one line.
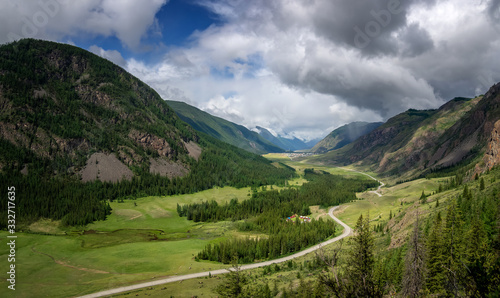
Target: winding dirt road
[[347, 232], [382, 184]]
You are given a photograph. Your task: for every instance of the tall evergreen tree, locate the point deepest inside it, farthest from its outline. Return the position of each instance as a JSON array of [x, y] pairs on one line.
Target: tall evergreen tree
[[235, 280], [361, 261], [435, 276], [414, 273], [453, 250], [478, 279]]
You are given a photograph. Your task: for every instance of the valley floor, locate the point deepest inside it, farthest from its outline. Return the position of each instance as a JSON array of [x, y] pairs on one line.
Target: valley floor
[[146, 241]]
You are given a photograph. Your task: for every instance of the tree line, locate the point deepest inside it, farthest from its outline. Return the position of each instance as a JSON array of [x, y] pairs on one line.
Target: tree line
[[266, 211], [75, 203], [287, 238]]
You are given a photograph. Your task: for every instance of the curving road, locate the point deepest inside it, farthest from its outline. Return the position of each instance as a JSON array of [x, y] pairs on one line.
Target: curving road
[[382, 184], [347, 232]]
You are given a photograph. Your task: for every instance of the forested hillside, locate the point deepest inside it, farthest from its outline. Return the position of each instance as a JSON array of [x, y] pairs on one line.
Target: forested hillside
[[67, 116], [344, 135], [223, 130]]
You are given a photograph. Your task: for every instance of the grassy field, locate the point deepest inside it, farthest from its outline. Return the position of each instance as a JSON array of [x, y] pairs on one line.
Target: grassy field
[[145, 239], [301, 165], [399, 202], [395, 199], [141, 240]]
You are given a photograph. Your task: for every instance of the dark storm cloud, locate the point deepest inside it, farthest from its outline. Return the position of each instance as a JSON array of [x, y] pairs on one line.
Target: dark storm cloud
[[415, 41], [494, 14], [364, 24]]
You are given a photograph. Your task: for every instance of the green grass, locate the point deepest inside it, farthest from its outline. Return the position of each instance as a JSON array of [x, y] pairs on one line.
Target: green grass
[[396, 199], [188, 288], [145, 239], [140, 240], [401, 199], [161, 212]]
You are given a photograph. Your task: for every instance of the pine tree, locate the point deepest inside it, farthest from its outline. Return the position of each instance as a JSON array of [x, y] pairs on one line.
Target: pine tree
[[435, 271], [275, 289], [233, 285], [319, 290], [453, 250], [423, 198], [478, 277], [466, 194], [304, 289], [414, 272], [361, 260]]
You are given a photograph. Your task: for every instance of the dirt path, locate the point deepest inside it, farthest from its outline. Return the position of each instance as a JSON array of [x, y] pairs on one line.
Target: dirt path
[[347, 232], [382, 184], [69, 266], [137, 216]]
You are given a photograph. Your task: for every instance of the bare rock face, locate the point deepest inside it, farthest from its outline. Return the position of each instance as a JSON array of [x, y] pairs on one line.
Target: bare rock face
[[89, 94], [128, 155], [492, 155], [105, 167], [149, 141]]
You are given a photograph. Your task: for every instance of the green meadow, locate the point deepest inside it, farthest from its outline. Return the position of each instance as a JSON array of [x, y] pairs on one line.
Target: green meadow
[[141, 240], [145, 239]]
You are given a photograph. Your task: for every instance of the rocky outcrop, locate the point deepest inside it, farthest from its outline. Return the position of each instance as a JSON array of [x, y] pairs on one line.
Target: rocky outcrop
[[89, 94], [149, 141], [492, 155]]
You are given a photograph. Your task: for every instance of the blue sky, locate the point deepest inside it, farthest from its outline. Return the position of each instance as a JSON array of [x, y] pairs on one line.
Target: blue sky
[[176, 22], [298, 67]]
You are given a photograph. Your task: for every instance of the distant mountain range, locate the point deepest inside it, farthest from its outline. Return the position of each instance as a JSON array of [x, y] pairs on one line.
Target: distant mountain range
[[462, 132], [259, 141], [344, 135], [223, 130], [289, 144]]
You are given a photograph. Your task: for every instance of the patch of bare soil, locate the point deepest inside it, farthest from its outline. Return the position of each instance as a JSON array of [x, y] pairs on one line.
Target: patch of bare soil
[[167, 168], [105, 167], [193, 149]]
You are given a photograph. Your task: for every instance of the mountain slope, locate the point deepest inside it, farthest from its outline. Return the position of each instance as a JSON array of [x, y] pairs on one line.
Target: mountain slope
[[222, 129], [282, 142], [474, 138], [406, 143], [67, 115], [344, 135]]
